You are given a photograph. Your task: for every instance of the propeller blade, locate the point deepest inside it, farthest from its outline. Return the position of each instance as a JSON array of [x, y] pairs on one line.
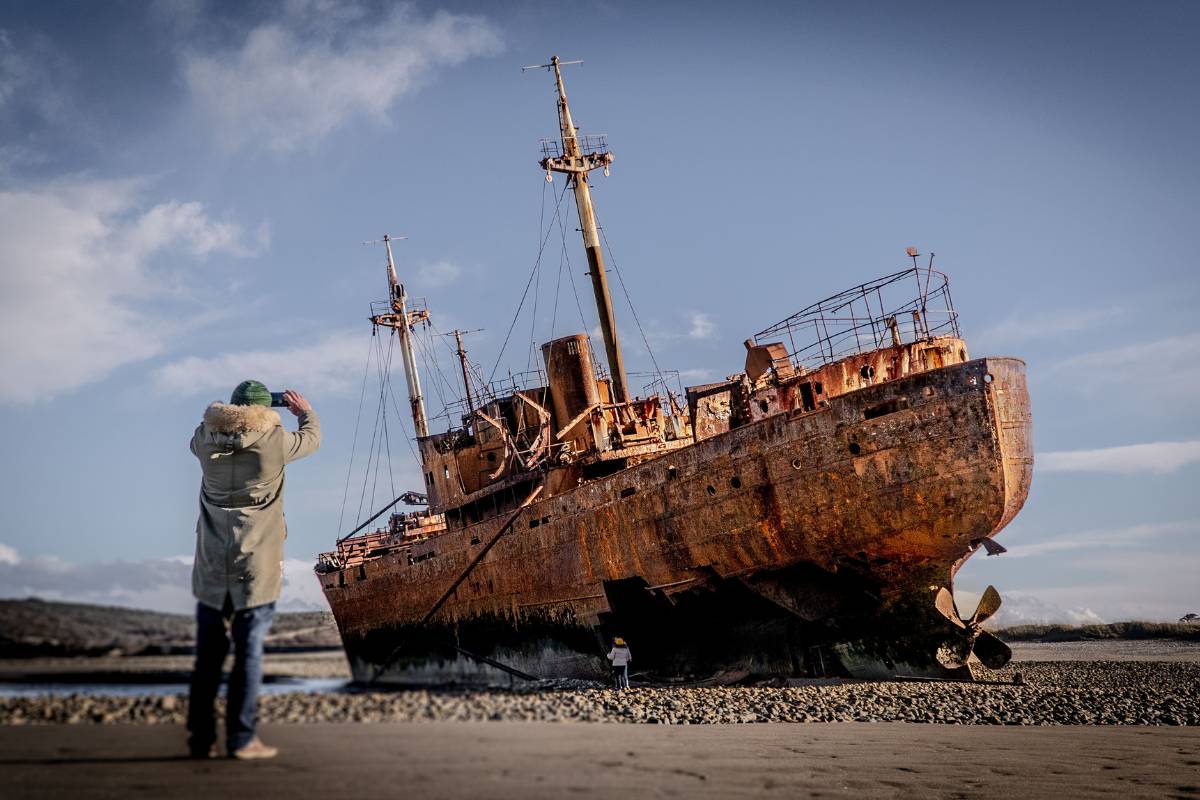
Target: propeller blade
[[944, 602], [990, 651], [954, 652], [989, 604]]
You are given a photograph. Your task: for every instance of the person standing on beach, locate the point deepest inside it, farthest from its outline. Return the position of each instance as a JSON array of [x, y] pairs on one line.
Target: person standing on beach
[[238, 570], [620, 657]]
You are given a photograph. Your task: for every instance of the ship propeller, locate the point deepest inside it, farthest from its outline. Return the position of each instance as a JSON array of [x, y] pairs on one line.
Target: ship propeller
[[990, 651]]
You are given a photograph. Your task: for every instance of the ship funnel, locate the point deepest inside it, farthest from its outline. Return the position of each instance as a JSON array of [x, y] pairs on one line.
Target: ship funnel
[[572, 376]]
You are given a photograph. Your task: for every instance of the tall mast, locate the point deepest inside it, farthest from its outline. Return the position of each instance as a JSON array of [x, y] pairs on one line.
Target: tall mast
[[402, 320], [462, 362], [576, 164]]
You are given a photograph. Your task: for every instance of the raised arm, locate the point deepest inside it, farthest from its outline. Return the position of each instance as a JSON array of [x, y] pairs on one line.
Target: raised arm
[[305, 441]]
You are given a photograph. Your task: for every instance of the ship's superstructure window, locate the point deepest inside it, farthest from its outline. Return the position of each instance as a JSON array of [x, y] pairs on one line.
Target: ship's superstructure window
[[672, 473], [628, 491], [807, 400]]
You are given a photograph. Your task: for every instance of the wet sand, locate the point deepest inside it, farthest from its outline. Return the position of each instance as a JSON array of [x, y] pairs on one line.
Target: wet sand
[[164, 668], [533, 760]]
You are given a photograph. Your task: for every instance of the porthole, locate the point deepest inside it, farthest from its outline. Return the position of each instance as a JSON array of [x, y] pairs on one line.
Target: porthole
[[988, 378], [867, 372], [855, 449], [735, 482], [712, 490], [797, 463]]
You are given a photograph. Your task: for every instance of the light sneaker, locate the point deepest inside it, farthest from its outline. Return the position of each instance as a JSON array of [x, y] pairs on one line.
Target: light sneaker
[[254, 749]]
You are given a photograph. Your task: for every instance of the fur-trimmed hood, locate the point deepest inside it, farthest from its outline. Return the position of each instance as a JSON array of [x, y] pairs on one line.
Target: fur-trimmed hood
[[231, 419]]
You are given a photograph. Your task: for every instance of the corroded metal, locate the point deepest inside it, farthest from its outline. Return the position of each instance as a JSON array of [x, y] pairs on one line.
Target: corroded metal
[[890, 504], [804, 516]]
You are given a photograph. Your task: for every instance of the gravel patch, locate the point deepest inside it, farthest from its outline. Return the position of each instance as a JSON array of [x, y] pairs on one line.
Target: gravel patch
[[1051, 693]]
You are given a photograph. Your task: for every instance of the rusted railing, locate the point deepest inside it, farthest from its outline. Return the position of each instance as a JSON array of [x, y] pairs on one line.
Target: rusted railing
[[912, 305], [588, 144]]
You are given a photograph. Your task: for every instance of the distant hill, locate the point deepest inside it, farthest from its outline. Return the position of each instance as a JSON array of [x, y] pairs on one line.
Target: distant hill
[[35, 627], [1114, 630]]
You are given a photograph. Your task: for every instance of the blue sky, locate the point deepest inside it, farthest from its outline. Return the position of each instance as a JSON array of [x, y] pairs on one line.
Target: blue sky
[[185, 187]]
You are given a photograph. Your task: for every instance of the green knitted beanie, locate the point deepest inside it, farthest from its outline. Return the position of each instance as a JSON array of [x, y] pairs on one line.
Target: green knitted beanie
[[251, 393]]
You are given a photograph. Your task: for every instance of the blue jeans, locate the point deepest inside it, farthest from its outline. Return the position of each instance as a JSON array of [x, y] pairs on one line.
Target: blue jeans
[[214, 629]]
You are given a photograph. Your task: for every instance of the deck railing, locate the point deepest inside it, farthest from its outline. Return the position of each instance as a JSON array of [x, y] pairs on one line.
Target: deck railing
[[912, 305]]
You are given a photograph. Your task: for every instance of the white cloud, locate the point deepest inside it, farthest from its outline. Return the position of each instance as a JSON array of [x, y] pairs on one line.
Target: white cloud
[[439, 273], [1154, 457], [157, 584], [1129, 537], [701, 325], [1024, 608], [1046, 324], [298, 77], [81, 273], [1163, 374], [1120, 584], [301, 589], [331, 364]]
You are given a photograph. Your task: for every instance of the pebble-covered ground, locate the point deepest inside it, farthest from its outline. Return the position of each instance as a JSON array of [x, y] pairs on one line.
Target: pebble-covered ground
[[1051, 693]]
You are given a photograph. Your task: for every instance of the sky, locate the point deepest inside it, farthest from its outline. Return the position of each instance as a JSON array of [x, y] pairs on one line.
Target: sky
[[186, 188]]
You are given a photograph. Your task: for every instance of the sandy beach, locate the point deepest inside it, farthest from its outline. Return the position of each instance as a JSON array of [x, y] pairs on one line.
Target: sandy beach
[[1088, 719], [534, 760]]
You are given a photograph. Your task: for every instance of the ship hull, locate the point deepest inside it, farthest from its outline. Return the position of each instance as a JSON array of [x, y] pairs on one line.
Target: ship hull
[[761, 550]]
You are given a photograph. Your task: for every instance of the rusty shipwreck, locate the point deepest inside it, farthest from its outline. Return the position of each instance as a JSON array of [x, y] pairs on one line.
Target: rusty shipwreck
[[805, 516]]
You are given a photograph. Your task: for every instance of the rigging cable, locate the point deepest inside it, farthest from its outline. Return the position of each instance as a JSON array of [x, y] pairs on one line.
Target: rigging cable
[[370, 453], [525, 294], [354, 442], [387, 439], [574, 290], [628, 300]]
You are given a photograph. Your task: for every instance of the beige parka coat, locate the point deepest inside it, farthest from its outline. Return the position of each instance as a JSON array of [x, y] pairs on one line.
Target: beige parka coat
[[240, 532]]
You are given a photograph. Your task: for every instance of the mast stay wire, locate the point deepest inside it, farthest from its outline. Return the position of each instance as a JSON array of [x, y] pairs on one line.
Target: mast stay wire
[[434, 369], [566, 254], [537, 290], [657, 370], [384, 368], [525, 294], [354, 442], [387, 439], [371, 450]]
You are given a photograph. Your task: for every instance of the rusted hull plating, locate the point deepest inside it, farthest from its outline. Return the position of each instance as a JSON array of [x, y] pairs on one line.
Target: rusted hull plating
[[750, 550]]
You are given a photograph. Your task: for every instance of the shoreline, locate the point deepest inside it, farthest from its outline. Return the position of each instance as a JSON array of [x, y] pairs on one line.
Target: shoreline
[[1117, 693]]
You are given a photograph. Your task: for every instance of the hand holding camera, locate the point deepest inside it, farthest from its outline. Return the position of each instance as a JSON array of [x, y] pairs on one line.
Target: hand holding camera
[[292, 399]]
